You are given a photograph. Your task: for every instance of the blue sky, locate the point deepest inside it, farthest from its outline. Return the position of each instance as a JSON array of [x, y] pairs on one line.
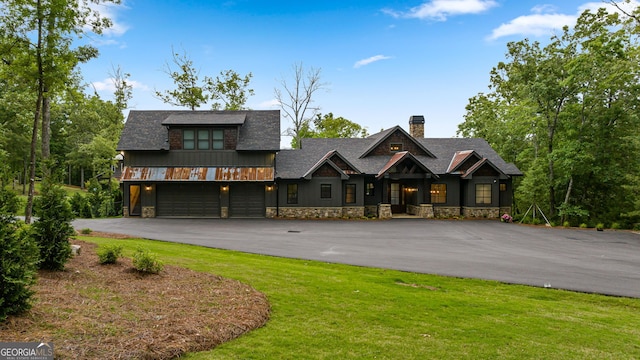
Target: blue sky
[[382, 60]]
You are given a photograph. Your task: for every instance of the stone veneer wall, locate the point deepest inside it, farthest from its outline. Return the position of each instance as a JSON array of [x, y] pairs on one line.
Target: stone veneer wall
[[446, 211], [125, 211], [224, 212], [481, 212], [148, 212], [371, 210], [353, 211], [384, 211], [505, 210], [413, 209], [311, 212]]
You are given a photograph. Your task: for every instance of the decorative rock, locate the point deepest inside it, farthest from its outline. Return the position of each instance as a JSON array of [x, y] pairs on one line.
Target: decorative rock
[[75, 250]]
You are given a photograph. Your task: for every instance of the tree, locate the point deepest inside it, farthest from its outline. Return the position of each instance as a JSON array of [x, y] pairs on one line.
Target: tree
[[53, 228], [328, 126], [189, 92], [231, 89], [296, 100], [565, 113], [18, 259], [53, 25]]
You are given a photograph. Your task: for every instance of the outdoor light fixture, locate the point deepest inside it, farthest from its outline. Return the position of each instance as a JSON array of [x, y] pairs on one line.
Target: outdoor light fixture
[[225, 187], [148, 187]]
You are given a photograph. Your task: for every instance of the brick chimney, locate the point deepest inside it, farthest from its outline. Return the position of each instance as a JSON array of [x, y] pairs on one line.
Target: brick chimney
[[416, 126]]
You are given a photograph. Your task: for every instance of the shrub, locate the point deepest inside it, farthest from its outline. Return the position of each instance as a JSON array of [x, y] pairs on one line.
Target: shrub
[[146, 261], [18, 260], [616, 226], [600, 226], [53, 228], [80, 206], [583, 226], [109, 254], [86, 231], [566, 224]]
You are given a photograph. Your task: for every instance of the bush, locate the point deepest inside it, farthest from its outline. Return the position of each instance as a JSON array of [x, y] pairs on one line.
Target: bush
[[146, 262], [583, 226], [616, 226], [109, 254], [566, 224], [600, 226], [53, 228], [18, 260], [86, 231], [80, 206]]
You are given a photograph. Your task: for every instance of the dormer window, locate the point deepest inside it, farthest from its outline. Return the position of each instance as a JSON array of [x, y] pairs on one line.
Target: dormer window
[[395, 147], [203, 139]]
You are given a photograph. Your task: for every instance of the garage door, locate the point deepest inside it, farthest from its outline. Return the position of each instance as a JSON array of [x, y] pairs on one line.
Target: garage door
[[188, 200], [246, 200]]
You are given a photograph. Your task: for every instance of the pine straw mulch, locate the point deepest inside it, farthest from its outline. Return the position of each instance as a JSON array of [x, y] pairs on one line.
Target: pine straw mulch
[[93, 311]]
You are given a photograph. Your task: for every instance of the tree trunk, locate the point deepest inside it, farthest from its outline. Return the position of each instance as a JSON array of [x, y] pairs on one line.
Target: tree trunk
[[567, 196], [46, 125]]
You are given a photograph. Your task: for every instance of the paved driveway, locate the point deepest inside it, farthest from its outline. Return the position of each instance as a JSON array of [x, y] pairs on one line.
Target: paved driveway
[[584, 260]]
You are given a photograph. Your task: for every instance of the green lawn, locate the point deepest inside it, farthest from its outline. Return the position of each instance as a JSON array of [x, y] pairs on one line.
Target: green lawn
[[329, 311]]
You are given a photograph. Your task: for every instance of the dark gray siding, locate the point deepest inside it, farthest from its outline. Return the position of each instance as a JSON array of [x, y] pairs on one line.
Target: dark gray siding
[[185, 158], [359, 183], [453, 190], [470, 191]]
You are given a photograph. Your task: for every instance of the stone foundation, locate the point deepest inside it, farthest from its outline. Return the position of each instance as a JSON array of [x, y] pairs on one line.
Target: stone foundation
[[426, 211], [446, 211], [371, 210], [148, 212], [224, 212], [353, 211], [125, 211], [384, 211], [413, 209], [271, 212], [311, 213], [481, 212]]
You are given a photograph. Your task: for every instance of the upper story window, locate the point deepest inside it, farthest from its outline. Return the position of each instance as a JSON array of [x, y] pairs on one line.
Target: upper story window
[[203, 139], [395, 147]]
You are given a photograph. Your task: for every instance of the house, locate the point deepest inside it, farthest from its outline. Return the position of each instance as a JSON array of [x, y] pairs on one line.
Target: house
[[215, 164], [228, 164], [394, 172]]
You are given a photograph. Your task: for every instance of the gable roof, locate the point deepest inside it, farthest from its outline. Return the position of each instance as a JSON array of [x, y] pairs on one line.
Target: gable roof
[[327, 160], [484, 161], [385, 134], [147, 129], [294, 164], [459, 158], [396, 159]]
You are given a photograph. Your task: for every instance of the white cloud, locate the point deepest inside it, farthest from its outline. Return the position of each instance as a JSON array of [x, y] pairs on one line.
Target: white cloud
[[536, 25], [370, 60], [544, 19], [440, 10], [108, 84], [269, 104], [111, 11]]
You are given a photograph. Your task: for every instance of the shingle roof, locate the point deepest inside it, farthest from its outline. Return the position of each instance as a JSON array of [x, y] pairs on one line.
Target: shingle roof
[[293, 164], [146, 129]]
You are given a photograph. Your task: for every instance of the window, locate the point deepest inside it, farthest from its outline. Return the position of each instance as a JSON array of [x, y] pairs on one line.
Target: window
[[325, 191], [503, 187], [189, 139], [483, 193], [438, 193], [203, 139], [218, 140], [292, 193], [395, 147], [370, 189], [350, 194]]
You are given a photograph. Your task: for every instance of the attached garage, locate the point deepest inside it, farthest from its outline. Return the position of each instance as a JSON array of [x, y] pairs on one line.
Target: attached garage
[[188, 199], [247, 200]]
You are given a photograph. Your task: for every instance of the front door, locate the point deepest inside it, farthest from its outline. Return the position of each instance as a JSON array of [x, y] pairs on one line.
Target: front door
[[135, 205], [396, 198]]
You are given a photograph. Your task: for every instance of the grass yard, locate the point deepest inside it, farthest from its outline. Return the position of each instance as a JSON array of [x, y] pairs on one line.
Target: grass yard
[[331, 311]]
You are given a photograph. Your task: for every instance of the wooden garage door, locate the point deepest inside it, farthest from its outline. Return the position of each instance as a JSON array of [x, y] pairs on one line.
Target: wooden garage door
[[188, 200], [246, 200]]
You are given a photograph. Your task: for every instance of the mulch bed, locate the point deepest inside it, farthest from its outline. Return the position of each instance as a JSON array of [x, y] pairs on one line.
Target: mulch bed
[[93, 311]]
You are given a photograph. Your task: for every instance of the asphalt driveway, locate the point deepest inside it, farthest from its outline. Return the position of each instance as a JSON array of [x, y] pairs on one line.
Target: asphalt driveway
[[605, 262]]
